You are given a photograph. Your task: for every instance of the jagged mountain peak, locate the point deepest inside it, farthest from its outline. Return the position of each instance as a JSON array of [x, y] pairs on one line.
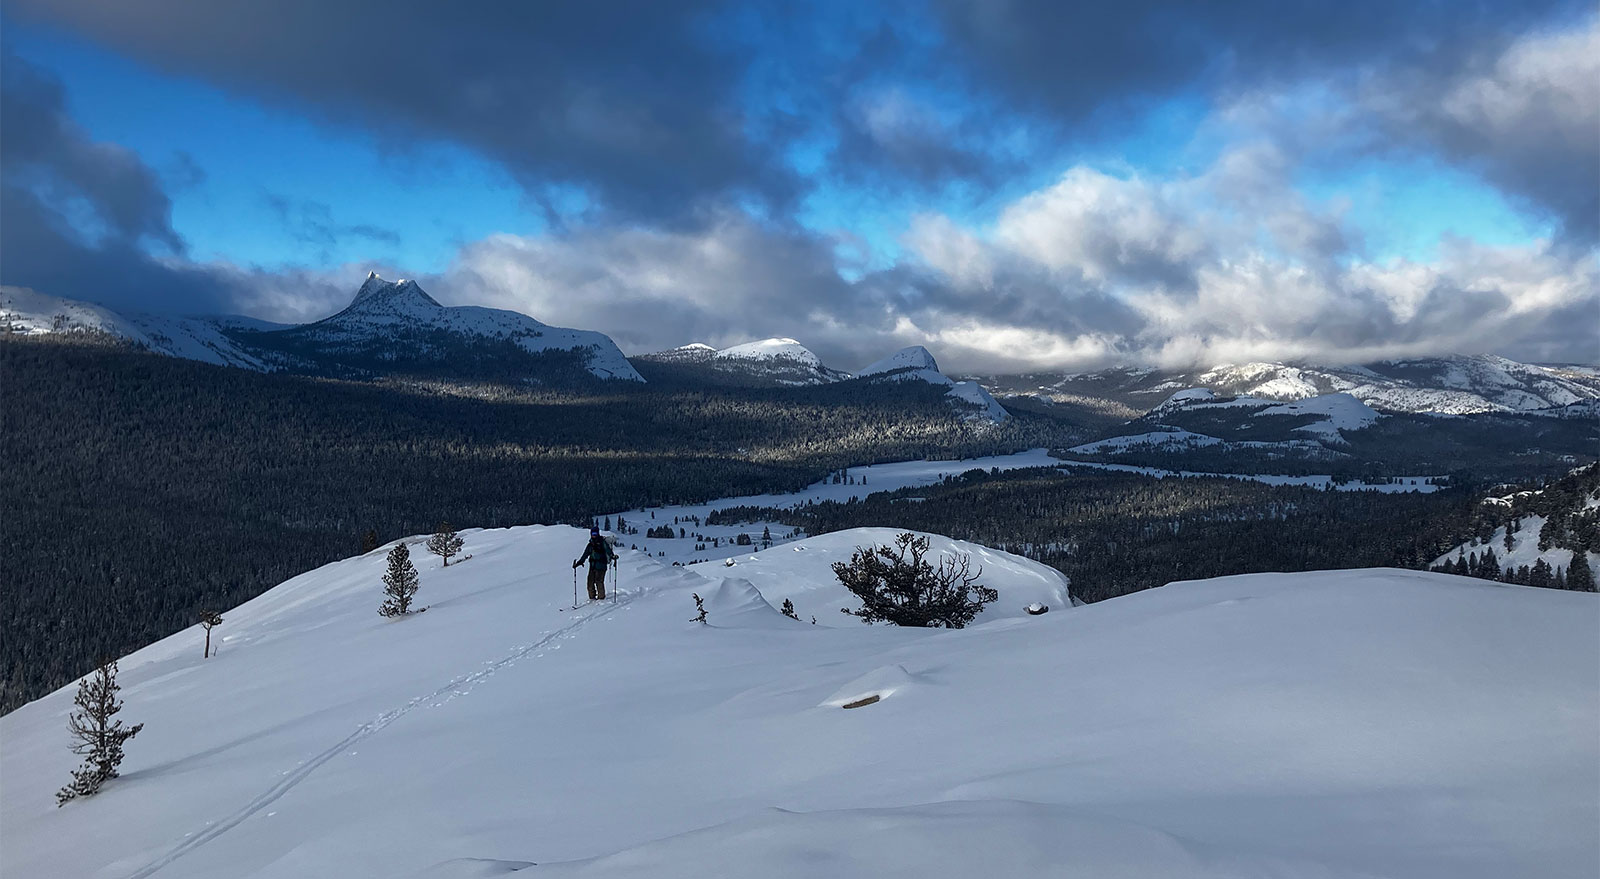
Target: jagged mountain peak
[[377, 292]]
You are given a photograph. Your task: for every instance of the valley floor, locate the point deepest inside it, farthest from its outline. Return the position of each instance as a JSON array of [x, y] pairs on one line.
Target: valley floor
[[1352, 723]]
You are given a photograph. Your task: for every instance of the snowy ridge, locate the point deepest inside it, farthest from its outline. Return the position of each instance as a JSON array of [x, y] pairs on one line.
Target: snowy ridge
[[917, 364], [770, 349], [1449, 385], [915, 357], [381, 309], [1240, 727], [778, 361], [394, 315], [192, 338]]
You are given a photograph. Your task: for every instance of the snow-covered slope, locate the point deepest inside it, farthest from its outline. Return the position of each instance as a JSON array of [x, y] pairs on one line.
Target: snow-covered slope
[[770, 349], [803, 573], [1371, 723], [193, 338], [763, 362], [1335, 414], [915, 357], [916, 364]]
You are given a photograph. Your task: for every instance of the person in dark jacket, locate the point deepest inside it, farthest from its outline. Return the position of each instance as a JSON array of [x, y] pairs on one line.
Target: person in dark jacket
[[600, 556]]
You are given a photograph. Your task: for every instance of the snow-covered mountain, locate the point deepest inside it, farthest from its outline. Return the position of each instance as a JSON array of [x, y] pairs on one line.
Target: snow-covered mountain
[[1454, 385], [766, 362], [391, 324], [917, 364], [193, 338], [1333, 724], [914, 357], [389, 327]]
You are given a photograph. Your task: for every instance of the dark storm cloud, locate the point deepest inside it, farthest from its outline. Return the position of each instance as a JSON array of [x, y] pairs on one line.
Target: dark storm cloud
[[1527, 118], [1507, 90], [629, 99], [1071, 58], [78, 217], [46, 152]]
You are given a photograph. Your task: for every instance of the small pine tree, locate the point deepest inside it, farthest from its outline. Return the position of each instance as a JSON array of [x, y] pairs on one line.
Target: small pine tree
[[209, 618], [96, 737], [400, 583], [445, 542], [1580, 576], [699, 605], [788, 610]]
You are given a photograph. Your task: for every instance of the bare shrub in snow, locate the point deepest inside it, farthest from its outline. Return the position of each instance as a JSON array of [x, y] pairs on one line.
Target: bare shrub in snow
[[897, 585]]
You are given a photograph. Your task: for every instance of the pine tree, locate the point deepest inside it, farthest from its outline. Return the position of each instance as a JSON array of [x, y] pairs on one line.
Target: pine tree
[[788, 610], [209, 618], [400, 582], [445, 542], [1489, 567], [1540, 575], [369, 540], [96, 737], [1580, 576]]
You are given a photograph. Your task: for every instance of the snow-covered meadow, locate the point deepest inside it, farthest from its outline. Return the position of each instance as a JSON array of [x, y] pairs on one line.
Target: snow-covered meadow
[[1353, 723]]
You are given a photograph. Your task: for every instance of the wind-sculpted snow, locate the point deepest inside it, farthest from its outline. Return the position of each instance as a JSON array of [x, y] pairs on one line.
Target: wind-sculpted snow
[[1380, 723]]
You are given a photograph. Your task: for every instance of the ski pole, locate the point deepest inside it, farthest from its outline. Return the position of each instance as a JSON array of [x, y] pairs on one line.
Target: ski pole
[[574, 585]]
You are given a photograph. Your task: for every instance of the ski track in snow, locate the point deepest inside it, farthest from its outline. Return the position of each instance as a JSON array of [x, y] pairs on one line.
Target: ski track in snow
[[459, 686]]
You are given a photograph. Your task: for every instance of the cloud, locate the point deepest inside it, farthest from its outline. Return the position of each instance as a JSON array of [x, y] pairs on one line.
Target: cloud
[[1227, 265], [115, 195], [78, 219], [1527, 118], [311, 222], [1070, 60], [629, 100]]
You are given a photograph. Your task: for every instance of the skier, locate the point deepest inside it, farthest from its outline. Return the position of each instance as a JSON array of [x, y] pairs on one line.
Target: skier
[[599, 555]]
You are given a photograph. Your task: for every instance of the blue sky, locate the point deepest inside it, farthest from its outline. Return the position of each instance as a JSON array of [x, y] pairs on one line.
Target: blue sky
[[831, 131]]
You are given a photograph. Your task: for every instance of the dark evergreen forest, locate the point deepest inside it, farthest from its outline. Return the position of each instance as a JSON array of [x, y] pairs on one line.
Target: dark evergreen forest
[[139, 489], [1116, 533]]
